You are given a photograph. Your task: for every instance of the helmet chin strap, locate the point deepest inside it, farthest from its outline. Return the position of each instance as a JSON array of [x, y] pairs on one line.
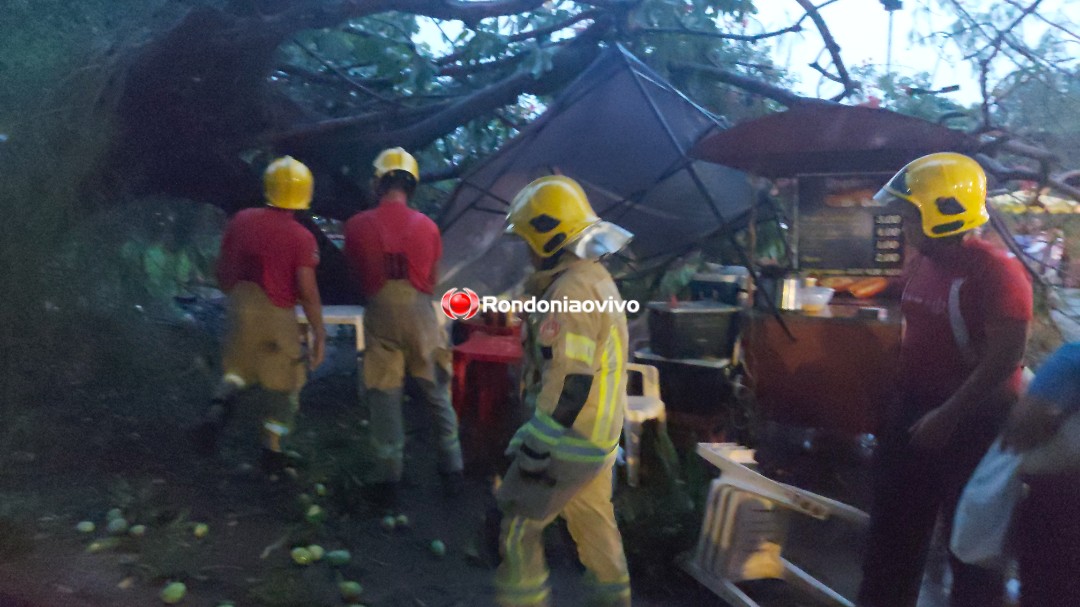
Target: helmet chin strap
[[548, 263]]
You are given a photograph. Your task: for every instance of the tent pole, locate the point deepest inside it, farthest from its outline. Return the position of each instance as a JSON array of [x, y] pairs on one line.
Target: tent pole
[[743, 255]]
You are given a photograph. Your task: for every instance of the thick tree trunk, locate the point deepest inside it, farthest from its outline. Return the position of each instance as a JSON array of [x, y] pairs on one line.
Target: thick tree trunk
[[190, 101]]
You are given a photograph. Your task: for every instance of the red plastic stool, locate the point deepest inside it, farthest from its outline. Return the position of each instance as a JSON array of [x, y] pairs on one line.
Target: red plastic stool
[[482, 391]]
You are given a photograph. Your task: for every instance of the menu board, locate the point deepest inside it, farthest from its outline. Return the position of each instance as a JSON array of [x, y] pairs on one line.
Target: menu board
[[842, 230]]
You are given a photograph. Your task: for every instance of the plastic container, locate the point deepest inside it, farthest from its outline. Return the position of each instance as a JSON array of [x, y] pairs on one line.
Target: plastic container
[[814, 300], [723, 287]]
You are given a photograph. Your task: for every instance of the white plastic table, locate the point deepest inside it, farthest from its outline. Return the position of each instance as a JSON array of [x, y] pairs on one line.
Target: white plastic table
[[339, 315]]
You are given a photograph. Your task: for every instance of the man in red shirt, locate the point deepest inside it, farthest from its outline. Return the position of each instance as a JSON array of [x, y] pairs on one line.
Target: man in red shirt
[[966, 308], [393, 252], [267, 266]]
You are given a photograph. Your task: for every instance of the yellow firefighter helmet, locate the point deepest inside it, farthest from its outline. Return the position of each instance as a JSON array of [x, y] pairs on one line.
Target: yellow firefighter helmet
[[288, 184], [949, 190], [396, 159], [549, 213]]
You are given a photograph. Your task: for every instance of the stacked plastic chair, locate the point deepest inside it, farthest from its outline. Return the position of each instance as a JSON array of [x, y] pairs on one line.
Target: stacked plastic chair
[[745, 526]]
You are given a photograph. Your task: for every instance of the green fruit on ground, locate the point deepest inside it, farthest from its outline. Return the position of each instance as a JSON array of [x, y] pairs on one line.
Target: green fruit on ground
[[301, 556], [117, 526], [320, 489], [137, 530], [401, 520], [315, 515], [173, 593], [388, 523], [438, 548], [86, 527], [113, 514], [316, 551], [338, 558], [350, 591], [201, 530], [102, 545]]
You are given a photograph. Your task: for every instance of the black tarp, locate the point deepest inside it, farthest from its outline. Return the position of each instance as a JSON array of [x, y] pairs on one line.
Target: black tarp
[[622, 132]]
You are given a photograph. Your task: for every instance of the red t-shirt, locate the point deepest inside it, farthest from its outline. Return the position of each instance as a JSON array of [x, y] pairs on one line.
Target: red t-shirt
[[390, 242], [266, 246], [989, 287]]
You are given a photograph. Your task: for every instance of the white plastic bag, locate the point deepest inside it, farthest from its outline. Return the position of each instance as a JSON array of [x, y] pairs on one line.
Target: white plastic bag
[[984, 514]]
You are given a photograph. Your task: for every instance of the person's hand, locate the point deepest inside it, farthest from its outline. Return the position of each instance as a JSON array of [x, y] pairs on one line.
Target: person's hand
[[933, 430], [318, 351]]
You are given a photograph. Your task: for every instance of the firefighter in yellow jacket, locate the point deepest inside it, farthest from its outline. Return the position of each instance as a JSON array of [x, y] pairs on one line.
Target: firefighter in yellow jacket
[[575, 380]]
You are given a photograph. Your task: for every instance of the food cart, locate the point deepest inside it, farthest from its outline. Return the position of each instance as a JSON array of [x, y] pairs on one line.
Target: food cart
[[833, 369], [828, 367]]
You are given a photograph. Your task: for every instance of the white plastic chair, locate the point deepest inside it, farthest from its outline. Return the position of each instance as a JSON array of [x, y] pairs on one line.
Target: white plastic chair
[[639, 409], [743, 531]]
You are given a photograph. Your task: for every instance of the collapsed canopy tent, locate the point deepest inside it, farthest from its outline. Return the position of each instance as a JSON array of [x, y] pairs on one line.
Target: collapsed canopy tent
[[829, 138], [623, 133]]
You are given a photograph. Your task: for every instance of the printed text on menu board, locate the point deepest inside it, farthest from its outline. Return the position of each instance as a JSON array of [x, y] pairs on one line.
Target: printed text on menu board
[[842, 230]]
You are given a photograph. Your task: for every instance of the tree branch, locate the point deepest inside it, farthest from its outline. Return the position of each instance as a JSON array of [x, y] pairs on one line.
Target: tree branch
[[832, 46], [567, 62], [457, 71], [995, 43], [680, 31], [746, 83], [1006, 143], [344, 76], [1052, 24], [824, 72], [1007, 173], [469, 12], [326, 127], [527, 35], [449, 172]]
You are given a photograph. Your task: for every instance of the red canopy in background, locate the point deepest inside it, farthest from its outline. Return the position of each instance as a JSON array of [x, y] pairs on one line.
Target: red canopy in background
[[829, 138]]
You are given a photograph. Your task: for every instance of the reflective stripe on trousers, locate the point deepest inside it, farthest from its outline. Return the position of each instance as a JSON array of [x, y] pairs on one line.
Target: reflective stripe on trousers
[[521, 580]]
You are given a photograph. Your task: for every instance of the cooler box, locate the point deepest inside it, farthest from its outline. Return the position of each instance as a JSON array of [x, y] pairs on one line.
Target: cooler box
[[693, 329], [723, 286]]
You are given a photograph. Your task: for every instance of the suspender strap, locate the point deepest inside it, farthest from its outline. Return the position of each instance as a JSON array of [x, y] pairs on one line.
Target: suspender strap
[[956, 321], [395, 265]]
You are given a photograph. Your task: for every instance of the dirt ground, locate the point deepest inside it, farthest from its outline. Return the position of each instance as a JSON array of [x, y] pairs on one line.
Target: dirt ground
[[126, 449]]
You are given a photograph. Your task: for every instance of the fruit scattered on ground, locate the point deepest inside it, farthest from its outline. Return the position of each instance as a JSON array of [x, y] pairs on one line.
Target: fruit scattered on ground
[[173, 593], [350, 591], [301, 556], [315, 515], [117, 526], [438, 548], [338, 558]]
